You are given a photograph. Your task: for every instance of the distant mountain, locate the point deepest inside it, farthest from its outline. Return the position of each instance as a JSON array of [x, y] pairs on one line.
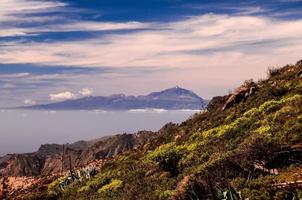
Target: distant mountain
[[175, 98]]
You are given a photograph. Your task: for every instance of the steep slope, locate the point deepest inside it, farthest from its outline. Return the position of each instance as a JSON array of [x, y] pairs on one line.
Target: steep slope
[[247, 144], [170, 99]]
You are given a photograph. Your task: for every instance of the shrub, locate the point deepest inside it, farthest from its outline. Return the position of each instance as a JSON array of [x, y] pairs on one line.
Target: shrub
[[274, 71], [114, 185], [166, 194], [84, 189], [95, 183], [278, 91], [54, 187], [168, 156]]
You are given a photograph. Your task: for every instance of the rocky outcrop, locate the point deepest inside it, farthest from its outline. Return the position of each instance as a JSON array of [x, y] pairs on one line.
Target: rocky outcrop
[[240, 93], [113, 146]]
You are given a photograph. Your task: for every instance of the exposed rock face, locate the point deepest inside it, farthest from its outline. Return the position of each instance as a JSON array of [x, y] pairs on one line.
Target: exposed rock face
[[17, 187], [240, 93], [23, 165], [48, 159]]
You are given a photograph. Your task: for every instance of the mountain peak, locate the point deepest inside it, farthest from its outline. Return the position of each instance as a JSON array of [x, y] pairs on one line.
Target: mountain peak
[[175, 93]]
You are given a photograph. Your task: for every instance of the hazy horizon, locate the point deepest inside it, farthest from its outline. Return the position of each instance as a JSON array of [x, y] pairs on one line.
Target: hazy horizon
[[22, 134]]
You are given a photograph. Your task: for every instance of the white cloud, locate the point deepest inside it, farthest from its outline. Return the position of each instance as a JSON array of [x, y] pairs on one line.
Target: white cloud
[[29, 102], [69, 95], [72, 26], [211, 53], [9, 8], [167, 46], [86, 92], [62, 96], [11, 12], [93, 26]]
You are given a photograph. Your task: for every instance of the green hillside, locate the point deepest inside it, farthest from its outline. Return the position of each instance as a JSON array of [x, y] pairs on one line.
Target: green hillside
[[247, 144]]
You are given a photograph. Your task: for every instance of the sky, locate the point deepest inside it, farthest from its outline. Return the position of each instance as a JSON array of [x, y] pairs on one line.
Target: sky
[[53, 50]]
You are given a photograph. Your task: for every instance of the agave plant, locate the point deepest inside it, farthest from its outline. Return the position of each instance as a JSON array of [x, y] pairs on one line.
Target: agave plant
[[229, 194]]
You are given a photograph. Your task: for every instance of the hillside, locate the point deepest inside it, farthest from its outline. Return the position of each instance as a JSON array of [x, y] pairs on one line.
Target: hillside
[[246, 145], [175, 98], [47, 159]]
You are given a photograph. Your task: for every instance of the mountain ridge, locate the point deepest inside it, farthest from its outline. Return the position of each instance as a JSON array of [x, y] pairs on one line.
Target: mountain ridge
[[47, 159], [175, 98]]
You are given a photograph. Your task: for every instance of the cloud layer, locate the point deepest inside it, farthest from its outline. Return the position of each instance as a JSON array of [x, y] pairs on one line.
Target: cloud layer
[[207, 52]]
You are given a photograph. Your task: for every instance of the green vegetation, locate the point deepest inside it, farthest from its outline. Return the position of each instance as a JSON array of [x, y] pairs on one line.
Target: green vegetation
[[253, 149], [167, 156], [113, 186]]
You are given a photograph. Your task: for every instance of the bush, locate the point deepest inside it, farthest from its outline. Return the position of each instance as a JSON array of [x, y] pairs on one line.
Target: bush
[[114, 185], [166, 194], [274, 71], [277, 91], [54, 187], [168, 156]]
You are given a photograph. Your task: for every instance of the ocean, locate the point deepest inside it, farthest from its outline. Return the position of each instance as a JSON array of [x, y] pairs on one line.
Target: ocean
[[23, 131]]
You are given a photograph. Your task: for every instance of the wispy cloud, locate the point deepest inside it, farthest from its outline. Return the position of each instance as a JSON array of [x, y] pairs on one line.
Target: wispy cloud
[[93, 26], [12, 14], [15, 75], [152, 47], [10, 8], [209, 53]]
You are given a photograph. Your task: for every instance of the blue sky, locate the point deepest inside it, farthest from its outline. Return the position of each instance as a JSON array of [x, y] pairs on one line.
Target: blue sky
[[55, 50]]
